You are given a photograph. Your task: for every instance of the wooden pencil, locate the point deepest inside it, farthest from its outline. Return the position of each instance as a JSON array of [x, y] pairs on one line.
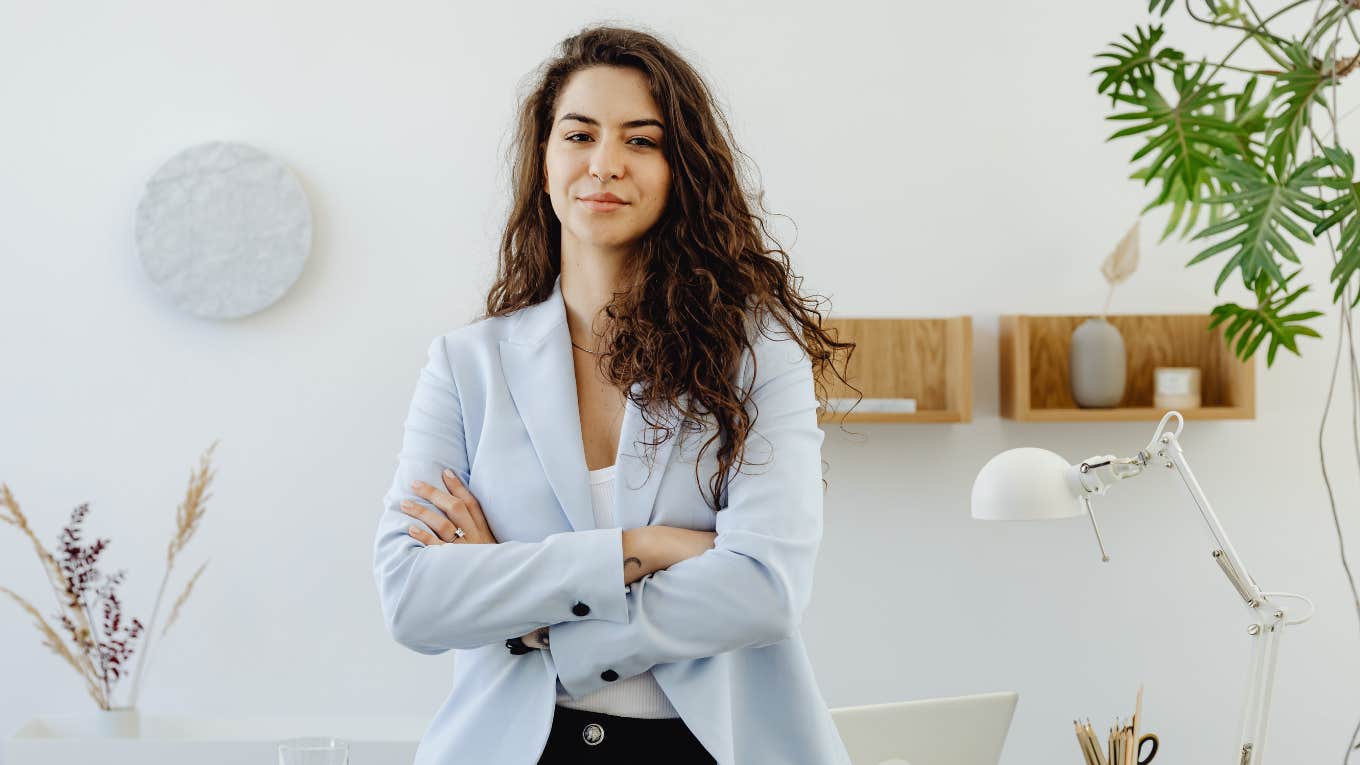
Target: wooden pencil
[[1137, 716], [1081, 742]]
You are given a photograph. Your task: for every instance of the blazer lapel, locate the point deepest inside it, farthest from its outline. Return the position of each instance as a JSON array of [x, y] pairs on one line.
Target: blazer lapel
[[537, 361]]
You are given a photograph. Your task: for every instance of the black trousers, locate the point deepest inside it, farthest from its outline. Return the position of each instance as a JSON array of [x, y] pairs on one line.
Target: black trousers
[[599, 739]]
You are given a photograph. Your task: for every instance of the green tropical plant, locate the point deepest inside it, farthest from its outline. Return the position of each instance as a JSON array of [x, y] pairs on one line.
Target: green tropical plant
[[1247, 151], [1264, 320], [1250, 153]]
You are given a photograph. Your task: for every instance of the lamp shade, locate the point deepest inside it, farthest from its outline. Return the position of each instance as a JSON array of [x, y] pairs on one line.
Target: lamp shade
[[1026, 484]]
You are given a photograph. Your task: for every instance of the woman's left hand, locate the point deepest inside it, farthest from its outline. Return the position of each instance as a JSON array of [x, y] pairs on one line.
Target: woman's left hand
[[455, 509], [537, 639]]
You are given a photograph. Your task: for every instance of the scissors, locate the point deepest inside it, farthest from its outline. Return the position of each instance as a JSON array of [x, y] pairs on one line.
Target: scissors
[[1142, 740]]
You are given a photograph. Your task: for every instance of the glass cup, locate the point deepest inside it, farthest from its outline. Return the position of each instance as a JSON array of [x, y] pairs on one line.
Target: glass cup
[[313, 751]]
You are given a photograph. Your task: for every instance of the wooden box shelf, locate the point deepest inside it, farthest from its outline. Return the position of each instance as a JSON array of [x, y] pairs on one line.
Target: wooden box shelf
[[1036, 387], [930, 360]]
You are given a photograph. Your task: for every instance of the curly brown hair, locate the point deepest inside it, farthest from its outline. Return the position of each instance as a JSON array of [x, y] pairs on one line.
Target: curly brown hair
[[700, 278]]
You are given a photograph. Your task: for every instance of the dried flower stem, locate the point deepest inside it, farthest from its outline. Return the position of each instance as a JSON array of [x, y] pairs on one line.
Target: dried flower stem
[[187, 518], [94, 634], [183, 596], [76, 619], [1120, 264], [53, 641]]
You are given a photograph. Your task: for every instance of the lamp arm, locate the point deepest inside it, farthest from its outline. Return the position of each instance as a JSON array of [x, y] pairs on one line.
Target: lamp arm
[[1225, 554], [1096, 474], [1094, 477], [1269, 620]]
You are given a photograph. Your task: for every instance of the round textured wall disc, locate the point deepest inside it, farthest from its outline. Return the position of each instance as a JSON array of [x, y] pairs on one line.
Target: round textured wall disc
[[224, 229]]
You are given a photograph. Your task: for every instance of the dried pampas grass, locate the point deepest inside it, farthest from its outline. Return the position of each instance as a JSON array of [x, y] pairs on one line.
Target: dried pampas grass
[[99, 652], [190, 512], [1120, 264], [183, 596], [187, 517], [58, 646]]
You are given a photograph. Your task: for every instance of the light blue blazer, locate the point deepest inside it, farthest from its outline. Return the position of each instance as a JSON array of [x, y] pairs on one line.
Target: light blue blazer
[[496, 402]]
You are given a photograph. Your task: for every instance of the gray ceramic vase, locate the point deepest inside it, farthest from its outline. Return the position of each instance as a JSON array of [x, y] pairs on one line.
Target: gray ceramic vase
[[1097, 364]]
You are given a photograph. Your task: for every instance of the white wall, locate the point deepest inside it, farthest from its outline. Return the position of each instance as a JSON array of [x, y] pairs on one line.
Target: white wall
[[938, 159]]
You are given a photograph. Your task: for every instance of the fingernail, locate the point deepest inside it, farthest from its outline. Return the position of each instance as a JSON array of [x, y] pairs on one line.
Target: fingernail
[[449, 473], [415, 484]]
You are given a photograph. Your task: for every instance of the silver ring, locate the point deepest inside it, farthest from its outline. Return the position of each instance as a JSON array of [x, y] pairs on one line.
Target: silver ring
[[457, 532]]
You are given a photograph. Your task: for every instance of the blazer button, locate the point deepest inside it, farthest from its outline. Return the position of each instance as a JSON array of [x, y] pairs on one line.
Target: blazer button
[[609, 676], [580, 609]]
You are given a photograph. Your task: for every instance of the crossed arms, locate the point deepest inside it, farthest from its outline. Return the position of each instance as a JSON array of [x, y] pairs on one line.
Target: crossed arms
[[750, 589]]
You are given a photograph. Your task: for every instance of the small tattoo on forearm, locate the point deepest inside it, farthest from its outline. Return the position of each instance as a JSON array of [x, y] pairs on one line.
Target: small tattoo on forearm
[[627, 561]]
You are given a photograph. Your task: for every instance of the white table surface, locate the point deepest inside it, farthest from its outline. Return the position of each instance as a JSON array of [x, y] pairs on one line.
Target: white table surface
[[170, 740]]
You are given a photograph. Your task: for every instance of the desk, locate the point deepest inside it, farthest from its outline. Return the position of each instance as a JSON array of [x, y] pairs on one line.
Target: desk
[[168, 740]]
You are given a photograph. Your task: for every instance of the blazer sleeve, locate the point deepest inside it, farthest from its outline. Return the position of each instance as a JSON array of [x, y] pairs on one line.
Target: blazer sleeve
[[752, 588], [469, 595]]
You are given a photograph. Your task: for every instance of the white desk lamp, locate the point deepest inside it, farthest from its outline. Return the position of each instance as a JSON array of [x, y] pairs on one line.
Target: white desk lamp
[[1036, 484]]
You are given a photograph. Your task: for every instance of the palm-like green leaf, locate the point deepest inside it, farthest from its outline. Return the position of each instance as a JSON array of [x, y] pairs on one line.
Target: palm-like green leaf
[[1132, 61], [1182, 201], [1264, 210], [1342, 210], [1295, 91], [1225, 10], [1249, 119], [1186, 137], [1252, 325]]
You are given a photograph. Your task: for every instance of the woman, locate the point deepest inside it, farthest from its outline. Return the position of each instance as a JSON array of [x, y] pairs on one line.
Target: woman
[[607, 605]]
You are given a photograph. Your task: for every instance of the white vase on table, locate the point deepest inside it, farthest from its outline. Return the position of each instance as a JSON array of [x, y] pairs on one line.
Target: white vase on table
[[118, 722]]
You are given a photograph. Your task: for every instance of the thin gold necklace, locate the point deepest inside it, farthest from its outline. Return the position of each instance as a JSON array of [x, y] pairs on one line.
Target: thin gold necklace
[[587, 350]]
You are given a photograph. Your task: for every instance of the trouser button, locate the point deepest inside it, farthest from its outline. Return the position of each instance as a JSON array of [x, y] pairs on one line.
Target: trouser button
[[593, 734]]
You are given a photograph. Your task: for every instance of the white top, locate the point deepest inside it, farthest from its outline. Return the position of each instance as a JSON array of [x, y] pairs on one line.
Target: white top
[[636, 696]]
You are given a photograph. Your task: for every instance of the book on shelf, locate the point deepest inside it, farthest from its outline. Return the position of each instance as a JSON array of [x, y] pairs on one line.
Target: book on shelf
[[893, 405]]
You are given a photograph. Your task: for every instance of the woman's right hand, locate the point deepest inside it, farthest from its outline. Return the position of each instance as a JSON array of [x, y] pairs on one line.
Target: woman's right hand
[[648, 549], [677, 544]]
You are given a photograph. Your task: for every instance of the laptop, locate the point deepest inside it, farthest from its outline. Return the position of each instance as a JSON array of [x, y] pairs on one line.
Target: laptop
[[962, 730]]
